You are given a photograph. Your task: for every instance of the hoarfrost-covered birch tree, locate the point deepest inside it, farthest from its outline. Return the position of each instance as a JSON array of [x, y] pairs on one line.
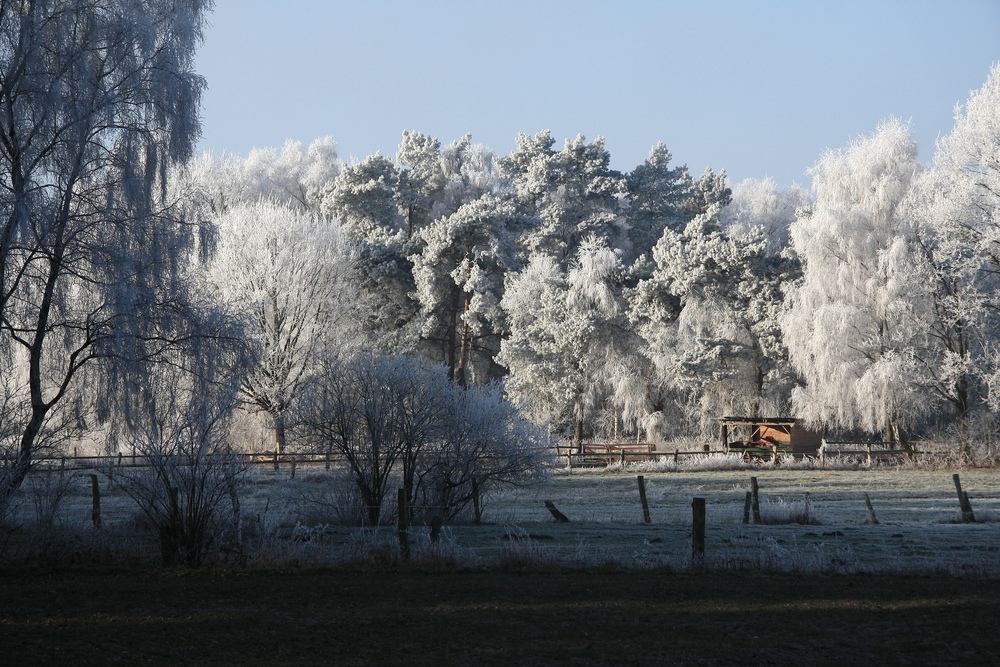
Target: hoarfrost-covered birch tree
[[208, 185], [97, 99], [853, 325], [763, 204], [958, 206]]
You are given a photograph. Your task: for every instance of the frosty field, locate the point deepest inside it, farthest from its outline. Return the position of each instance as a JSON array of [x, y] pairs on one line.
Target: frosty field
[[814, 521]]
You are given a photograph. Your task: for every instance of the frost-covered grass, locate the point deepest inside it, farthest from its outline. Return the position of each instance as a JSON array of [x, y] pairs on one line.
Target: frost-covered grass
[[812, 520]]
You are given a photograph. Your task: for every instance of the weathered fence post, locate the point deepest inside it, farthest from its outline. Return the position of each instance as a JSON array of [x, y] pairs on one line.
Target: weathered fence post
[[403, 524], [327, 464], [697, 532], [95, 490], [755, 499], [476, 505], [963, 501], [275, 459], [746, 508], [871, 511], [435, 528], [291, 461], [642, 499]]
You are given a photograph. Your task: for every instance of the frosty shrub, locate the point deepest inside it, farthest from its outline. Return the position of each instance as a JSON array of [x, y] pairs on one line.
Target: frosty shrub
[[389, 415], [178, 422]]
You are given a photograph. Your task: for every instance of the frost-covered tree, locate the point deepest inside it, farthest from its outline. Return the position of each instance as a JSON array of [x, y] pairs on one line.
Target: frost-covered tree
[[567, 333], [957, 208], [853, 326], [459, 268], [710, 190], [98, 99], [484, 442], [421, 179], [365, 199], [391, 415], [763, 204], [657, 200], [289, 274], [573, 193], [719, 341], [208, 185]]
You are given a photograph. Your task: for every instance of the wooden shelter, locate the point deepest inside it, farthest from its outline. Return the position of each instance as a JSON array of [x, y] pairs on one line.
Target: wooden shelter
[[777, 435]]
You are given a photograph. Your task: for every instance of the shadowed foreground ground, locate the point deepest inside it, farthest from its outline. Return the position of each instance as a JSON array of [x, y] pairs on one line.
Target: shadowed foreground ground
[[122, 617]]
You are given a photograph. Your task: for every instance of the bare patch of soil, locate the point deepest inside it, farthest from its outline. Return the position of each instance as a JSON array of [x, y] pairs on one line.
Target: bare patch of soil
[[532, 617]]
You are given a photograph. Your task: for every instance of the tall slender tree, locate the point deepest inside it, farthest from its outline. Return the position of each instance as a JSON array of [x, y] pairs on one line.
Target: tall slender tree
[[97, 99], [853, 327]]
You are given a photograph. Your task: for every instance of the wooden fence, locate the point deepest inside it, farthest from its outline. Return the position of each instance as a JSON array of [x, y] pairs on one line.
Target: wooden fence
[[586, 455], [593, 454], [288, 460]]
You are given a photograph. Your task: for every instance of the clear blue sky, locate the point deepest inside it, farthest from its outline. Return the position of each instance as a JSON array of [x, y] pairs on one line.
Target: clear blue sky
[[756, 88]]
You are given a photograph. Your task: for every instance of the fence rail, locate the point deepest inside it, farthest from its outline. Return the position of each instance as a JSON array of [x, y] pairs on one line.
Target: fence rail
[[263, 459], [585, 455], [592, 454]]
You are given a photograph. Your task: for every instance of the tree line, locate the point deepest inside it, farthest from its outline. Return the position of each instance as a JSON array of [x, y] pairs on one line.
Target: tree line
[[148, 294], [632, 305]]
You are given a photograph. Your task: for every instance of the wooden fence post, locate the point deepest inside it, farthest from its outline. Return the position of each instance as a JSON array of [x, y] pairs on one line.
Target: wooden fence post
[[327, 460], [642, 499], [291, 461], [275, 459], [697, 532], [746, 508], [403, 524], [476, 505], [435, 528], [871, 511], [95, 490], [963, 501], [755, 499]]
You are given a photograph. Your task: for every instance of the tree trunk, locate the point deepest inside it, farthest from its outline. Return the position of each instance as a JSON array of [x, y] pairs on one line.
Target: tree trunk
[[578, 430], [278, 424], [456, 298], [464, 349]]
